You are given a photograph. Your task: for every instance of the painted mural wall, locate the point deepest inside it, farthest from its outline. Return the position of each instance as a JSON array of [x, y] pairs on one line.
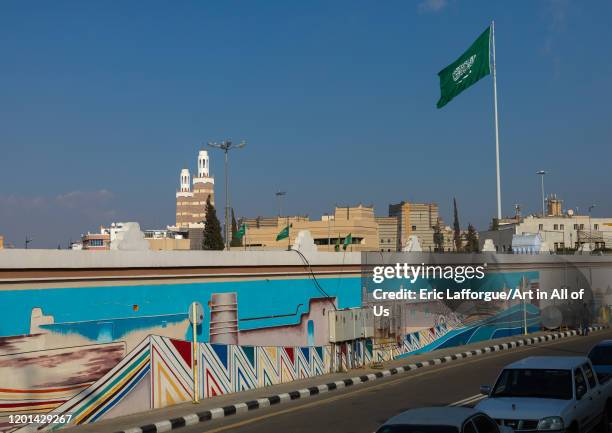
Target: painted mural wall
[[118, 348], [159, 372]]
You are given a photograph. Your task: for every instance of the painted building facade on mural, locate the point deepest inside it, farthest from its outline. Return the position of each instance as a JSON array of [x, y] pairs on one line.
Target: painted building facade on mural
[[72, 322]]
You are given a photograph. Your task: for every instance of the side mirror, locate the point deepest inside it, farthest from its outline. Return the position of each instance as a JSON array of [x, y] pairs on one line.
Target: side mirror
[[485, 389]]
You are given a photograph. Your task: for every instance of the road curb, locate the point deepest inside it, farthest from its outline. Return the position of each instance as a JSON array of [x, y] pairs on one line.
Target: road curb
[[225, 411]]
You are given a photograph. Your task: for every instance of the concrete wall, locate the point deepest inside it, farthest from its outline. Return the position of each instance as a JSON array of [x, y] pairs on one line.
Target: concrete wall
[[67, 309]]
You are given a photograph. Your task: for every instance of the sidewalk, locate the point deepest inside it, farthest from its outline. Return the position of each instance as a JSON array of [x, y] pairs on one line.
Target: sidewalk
[[168, 418]]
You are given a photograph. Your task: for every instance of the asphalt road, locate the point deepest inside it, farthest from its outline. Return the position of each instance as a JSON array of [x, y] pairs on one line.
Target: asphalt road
[[362, 409]]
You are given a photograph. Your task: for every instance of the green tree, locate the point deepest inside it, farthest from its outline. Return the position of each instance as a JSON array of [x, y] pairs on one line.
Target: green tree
[[212, 229], [438, 238], [456, 227], [236, 241], [471, 240]]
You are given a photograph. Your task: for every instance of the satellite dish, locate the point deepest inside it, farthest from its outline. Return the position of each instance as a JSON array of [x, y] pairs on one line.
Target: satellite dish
[[570, 212]]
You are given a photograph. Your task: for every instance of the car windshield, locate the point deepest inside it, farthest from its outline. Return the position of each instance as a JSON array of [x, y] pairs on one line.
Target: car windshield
[[601, 355], [538, 383], [409, 428]]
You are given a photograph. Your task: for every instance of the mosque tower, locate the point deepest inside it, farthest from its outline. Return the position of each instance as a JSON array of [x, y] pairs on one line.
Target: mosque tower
[[191, 196]]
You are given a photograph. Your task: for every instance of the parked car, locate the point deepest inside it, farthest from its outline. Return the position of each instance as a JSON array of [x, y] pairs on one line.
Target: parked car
[[601, 358], [442, 420], [549, 393]]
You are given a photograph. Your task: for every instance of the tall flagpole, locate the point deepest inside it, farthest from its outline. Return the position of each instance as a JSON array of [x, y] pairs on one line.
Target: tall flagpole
[[499, 212]]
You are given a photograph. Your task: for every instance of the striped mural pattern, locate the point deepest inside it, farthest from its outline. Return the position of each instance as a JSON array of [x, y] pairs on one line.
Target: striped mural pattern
[[229, 368]]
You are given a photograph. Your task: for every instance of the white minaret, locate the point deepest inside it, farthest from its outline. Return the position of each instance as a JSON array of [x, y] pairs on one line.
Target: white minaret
[[185, 180], [203, 164]]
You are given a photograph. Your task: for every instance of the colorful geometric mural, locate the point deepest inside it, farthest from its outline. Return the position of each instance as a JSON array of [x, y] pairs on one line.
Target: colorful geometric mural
[[163, 368], [102, 396]]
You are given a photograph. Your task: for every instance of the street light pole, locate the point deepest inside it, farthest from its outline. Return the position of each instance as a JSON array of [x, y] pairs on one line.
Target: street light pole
[[226, 146], [279, 196], [542, 173], [591, 228]]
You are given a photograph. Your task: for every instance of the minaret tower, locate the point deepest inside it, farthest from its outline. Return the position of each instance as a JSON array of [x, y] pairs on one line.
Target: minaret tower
[[192, 194], [185, 180], [184, 200], [204, 184], [203, 163]]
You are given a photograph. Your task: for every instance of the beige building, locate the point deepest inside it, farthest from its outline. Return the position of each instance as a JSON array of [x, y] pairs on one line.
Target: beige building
[[166, 240], [416, 219], [330, 230], [191, 197], [388, 233], [1, 242]]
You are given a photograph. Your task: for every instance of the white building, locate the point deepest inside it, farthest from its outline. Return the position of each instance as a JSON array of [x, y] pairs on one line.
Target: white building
[[558, 232]]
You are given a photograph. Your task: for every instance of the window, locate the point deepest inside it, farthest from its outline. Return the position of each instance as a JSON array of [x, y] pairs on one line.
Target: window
[[580, 384], [596, 226], [540, 227], [588, 371], [575, 226], [485, 424], [556, 227], [562, 226], [413, 227], [581, 226], [540, 383]]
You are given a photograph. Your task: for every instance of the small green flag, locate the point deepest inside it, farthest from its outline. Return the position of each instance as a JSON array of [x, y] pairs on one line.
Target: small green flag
[[470, 67], [347, 241], [284, 233], [240, 233]]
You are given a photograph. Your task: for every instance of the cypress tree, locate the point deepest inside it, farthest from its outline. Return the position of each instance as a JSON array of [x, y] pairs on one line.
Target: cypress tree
[[456, 227], [438, 238], [471, 240], [212, 229]]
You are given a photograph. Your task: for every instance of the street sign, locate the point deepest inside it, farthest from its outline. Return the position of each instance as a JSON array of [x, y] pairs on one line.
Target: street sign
[[199, 313]]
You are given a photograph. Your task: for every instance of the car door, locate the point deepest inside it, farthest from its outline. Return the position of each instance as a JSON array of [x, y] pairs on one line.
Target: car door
[[584, 401], [593, 396]]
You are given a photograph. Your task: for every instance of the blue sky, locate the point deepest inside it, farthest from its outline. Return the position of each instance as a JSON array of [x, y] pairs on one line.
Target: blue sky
[[102, 104]]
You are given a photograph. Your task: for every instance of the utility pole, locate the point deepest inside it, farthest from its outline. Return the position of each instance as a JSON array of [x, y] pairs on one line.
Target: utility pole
[[590, 228], [226, 146], [27, 242], [328, 232]]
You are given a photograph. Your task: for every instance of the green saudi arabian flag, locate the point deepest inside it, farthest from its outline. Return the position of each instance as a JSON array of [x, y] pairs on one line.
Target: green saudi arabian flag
[[347, 241], [283, 234], [470, 67], [241, 232]]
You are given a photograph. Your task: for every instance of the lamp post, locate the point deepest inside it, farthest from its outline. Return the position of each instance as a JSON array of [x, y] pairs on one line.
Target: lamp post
[[542, 173], [226, 146], [328, 216], [591, 228]]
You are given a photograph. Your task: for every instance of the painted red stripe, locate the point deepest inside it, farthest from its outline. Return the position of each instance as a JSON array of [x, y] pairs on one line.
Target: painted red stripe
[[42, 391], [32, 403]]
